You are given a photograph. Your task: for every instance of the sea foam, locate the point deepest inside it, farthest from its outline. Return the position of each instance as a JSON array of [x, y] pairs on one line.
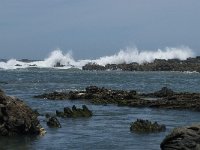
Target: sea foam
[[128, 55]]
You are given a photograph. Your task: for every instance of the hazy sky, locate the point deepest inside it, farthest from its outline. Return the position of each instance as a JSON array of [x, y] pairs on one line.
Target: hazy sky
[[93, 28]]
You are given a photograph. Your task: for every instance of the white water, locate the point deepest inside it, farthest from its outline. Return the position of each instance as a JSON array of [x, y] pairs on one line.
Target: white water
[[123, 56]]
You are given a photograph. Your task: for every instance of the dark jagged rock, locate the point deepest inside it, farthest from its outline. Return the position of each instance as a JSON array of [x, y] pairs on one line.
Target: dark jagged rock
[[53, 122], [28, 60], [58, 64], [33, 65], [190, 64], [60, 114], [92, 89], [75, 112], [47, 115], [16, 118], [164, 92], [18, 65], [146, 126], [183, 138], [93, 66]]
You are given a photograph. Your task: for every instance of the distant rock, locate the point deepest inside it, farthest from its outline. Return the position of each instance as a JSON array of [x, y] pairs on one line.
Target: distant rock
[[27, 60], [18, 65], [58, 64], [75, 112], [53, 122], [190, 64], [183, 138], [146, 126], [93, 66], [16, 118], [33, 65]]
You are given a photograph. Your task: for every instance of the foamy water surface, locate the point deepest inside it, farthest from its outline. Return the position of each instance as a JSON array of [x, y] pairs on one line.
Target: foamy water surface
[[128, 55]]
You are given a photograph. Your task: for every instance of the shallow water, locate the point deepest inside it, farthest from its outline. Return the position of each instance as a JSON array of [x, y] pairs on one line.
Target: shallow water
[[109, 127]]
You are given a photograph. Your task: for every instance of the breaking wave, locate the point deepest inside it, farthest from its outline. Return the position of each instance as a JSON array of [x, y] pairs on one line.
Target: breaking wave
[[57, 59]]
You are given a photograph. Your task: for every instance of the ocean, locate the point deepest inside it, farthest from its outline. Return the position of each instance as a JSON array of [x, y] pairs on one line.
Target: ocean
[[109, 127]]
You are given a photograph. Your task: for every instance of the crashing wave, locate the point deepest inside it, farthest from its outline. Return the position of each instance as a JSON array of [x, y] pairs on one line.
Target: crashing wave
[[65, 61]]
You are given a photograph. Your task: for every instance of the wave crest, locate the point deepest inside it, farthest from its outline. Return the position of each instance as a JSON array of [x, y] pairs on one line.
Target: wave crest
[[128, 55], [134, 55]]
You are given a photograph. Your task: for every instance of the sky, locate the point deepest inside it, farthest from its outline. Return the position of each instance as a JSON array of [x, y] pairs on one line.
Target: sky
[[93, 28]]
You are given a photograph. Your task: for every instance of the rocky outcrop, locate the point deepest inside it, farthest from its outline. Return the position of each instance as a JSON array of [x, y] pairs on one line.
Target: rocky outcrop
[[94, 94], [93, 66], [16, 118], [58, 64], [190, 64], [162, 93], [146, 126], [183, 138], [164, 98], [74, 112], [53, 122]]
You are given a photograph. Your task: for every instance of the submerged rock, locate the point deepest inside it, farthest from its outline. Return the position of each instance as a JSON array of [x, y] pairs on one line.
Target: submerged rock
[[75, 112], [183, 138], [146, 126], [16, 118], [53, 122]]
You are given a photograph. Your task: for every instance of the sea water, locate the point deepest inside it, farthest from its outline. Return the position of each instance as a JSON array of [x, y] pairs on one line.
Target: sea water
[[109, 127]]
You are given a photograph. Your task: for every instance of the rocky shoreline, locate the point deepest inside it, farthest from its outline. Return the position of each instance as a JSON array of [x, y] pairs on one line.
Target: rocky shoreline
[[16, 118], [164, 98], [190, 64]]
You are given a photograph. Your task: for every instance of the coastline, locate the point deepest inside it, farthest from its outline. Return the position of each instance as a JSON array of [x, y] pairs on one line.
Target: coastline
[[190, 64]]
